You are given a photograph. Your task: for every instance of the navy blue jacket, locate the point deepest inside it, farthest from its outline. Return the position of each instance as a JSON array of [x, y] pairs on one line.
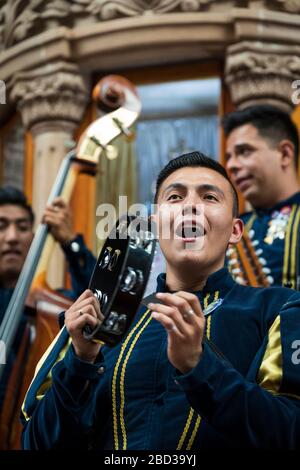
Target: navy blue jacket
[[275, 236], [244, 392]]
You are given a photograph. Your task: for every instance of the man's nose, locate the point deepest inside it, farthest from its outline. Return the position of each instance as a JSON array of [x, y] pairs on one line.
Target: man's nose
[[233, 165], [11, 233], [192, 205]]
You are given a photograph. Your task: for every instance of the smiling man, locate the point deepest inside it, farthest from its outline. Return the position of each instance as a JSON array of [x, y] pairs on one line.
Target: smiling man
[[207, 364], [15, 238], [262, 159]]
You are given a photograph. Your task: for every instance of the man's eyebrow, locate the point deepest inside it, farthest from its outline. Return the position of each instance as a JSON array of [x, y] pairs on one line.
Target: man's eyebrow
[[201, 187], [174, 186], [244, 145], [18, 220], [211, 187]]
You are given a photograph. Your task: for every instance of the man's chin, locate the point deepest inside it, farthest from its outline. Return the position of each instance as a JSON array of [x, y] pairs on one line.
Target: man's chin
[[251, 194], [10, 272], [189, 257]]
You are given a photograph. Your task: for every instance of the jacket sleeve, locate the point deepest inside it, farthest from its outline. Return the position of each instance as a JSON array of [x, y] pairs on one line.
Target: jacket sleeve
[[59, 407], [81, 265], [261, 413]]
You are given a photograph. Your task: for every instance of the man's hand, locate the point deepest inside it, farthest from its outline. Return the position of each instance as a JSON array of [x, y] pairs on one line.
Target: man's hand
[[182, 317], [85, 310], [58, 217]]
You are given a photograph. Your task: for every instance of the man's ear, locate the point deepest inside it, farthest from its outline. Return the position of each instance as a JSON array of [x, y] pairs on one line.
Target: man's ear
[[287, 151], [237, 231]]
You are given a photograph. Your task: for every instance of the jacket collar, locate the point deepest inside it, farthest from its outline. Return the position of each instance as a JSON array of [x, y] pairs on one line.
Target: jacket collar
[[220, 281]]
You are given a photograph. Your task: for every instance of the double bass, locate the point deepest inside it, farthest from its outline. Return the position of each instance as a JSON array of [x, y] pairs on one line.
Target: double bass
[[117, 95]]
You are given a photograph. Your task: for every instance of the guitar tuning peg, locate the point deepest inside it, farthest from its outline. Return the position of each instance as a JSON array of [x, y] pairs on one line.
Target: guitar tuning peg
[[270, 279], [259, 252], [255, 243]]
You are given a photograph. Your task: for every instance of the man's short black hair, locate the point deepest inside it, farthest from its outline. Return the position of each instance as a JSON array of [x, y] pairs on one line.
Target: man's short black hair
[[195, 159], [271, 123], [11, 195]]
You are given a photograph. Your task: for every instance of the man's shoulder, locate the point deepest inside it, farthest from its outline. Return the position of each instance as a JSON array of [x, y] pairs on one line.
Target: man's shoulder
[[274, 297]]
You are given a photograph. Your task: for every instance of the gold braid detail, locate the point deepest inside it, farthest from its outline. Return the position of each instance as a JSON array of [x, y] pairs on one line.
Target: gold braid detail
[[114, 381], [191, 411]]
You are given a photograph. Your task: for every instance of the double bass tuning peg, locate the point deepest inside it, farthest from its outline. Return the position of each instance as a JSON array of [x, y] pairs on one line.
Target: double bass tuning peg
[[110, 151], [128, 134]]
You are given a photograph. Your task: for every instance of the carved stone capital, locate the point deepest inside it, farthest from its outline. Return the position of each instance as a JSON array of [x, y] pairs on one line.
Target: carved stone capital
[[259, 72], [50, 95]]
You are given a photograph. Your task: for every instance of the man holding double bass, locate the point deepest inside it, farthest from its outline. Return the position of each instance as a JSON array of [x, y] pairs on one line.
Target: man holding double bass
[[16, 234]]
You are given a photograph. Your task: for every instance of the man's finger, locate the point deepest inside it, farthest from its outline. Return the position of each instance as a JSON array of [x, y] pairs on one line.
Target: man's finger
[[173, 314], [85, 295], [193, 301], [167, 323], [81, 321], [89, 301], [59, 202], [186, 305]]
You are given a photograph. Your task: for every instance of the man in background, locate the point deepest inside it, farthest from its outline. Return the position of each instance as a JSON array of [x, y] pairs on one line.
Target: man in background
[[262, 159], [16, 234]]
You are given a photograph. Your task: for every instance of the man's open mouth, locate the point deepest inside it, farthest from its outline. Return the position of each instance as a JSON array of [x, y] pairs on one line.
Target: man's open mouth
[[189, 231]]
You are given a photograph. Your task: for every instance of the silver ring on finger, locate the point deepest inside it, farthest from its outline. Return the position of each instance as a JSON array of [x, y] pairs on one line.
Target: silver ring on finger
[[188, 313], [172, 328]]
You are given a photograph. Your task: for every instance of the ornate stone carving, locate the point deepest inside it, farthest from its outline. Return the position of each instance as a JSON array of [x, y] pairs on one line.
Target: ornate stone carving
[[257, 72], [20, 19], [290, 6], [109, 9], [30, 17], [58, 95]]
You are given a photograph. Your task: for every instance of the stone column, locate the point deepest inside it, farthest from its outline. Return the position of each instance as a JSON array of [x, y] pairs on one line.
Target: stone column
[[51, 101], [258, 72]]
